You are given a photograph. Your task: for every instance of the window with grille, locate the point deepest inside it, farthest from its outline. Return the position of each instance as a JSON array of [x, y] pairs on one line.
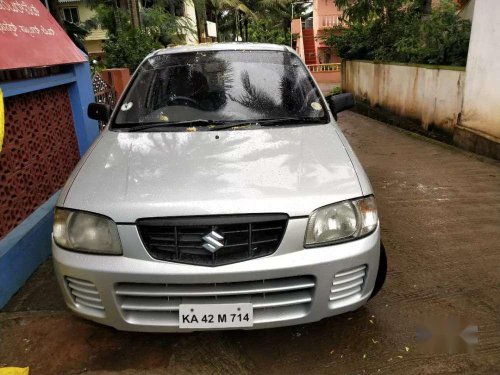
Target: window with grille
[[71, 15]]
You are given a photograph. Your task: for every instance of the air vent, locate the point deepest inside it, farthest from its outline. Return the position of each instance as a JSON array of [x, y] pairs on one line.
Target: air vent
[[85, 295], [347, 284]]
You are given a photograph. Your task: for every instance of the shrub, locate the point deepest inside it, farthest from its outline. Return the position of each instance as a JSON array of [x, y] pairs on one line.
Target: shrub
[[264, 30], [127, 45], [128, 48], [336, 90], [409, 36]]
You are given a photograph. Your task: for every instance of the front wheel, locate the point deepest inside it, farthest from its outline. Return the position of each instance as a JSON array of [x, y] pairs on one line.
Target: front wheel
[[382, 271]]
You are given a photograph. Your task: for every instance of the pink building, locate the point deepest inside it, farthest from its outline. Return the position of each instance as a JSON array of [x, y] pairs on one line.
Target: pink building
[[325, 15], [307, 32]]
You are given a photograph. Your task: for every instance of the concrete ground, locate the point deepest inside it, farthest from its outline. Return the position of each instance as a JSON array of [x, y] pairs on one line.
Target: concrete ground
[[440, 215], [326, 87]]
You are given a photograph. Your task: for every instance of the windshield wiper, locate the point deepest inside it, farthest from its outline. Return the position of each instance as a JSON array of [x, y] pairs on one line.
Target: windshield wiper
[[221, 124], [289, 120], [230, 124], [160, 124], [268, 122]]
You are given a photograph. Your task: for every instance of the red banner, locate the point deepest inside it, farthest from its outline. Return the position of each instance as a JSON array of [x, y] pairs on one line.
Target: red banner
[[31, 37]]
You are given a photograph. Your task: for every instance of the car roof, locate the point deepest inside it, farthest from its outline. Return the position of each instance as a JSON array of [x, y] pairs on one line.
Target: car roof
[[235, 46]]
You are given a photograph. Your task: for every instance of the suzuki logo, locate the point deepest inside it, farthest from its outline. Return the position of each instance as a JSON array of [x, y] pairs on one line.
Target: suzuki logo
[[213, 241]]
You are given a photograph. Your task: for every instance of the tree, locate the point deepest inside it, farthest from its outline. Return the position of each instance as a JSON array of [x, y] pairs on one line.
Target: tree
[[128, 48], [247, 20], [128, 44], [55, 12], [250, 20], [231, 17], [363, 11], [400, 31], [280, 13], [164, 26]]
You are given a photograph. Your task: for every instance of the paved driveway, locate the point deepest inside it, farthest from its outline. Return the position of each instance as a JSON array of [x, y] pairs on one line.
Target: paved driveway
[[440, 214]]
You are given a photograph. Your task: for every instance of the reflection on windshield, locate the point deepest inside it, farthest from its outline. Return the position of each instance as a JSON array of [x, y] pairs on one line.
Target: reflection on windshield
[[220, 86]]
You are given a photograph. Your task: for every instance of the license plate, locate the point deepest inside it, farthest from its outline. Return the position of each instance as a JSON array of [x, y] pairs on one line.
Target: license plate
[[231, 315]]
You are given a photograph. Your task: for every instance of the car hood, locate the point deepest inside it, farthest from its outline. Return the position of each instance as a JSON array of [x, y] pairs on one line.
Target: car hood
[[293, 170]]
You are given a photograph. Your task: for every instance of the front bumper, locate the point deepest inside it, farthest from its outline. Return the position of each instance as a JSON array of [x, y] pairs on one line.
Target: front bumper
[[106, 277]]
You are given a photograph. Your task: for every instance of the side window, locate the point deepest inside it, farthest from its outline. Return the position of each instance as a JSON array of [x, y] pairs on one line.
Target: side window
[[71, 15]]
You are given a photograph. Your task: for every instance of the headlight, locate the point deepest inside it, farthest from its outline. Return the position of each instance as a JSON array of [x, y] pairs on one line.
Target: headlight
[[87, 232], [341, 221]]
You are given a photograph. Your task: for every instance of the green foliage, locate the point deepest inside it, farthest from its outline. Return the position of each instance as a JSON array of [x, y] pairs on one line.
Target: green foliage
[[110, 18], [403, 34], [250, 20], [263, 20], [127, 45], [442, 38], [336, 90], [362, 11], [165, 27], [267, 30], [128, 48], [76, 32]]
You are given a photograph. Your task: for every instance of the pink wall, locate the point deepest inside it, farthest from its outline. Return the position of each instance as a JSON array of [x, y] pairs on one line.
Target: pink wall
[[325, 15], [297, 30], [296, 26], [116, 78], [327, 77]]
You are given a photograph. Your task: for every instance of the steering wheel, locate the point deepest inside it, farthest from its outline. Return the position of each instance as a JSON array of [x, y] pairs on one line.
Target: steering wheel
[[184, 98]]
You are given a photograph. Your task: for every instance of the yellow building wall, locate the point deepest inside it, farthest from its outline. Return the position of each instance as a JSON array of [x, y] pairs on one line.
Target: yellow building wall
[[84, 11], [93, 41]]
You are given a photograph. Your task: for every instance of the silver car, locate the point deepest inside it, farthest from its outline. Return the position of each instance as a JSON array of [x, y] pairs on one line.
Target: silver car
[[220, 195]]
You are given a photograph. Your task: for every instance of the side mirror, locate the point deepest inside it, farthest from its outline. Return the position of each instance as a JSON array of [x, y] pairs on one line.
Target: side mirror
[[99, 111], [341, 102]]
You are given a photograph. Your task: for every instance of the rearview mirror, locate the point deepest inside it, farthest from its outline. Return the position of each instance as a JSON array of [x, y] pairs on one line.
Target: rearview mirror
[[99, 111], [340, 102]]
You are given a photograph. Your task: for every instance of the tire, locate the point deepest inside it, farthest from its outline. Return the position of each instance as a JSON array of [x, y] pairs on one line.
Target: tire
[[382, 271]]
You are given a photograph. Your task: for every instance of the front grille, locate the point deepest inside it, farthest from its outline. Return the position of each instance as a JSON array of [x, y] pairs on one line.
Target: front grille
[[85, 294], [347, 284], [272, 300], [231, 238]]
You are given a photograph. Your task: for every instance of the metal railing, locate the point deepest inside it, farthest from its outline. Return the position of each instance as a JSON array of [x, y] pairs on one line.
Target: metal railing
[[332, 67], [104, 93]]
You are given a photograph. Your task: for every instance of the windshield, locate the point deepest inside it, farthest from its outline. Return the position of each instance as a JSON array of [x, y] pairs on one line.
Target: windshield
[[221, 86]]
